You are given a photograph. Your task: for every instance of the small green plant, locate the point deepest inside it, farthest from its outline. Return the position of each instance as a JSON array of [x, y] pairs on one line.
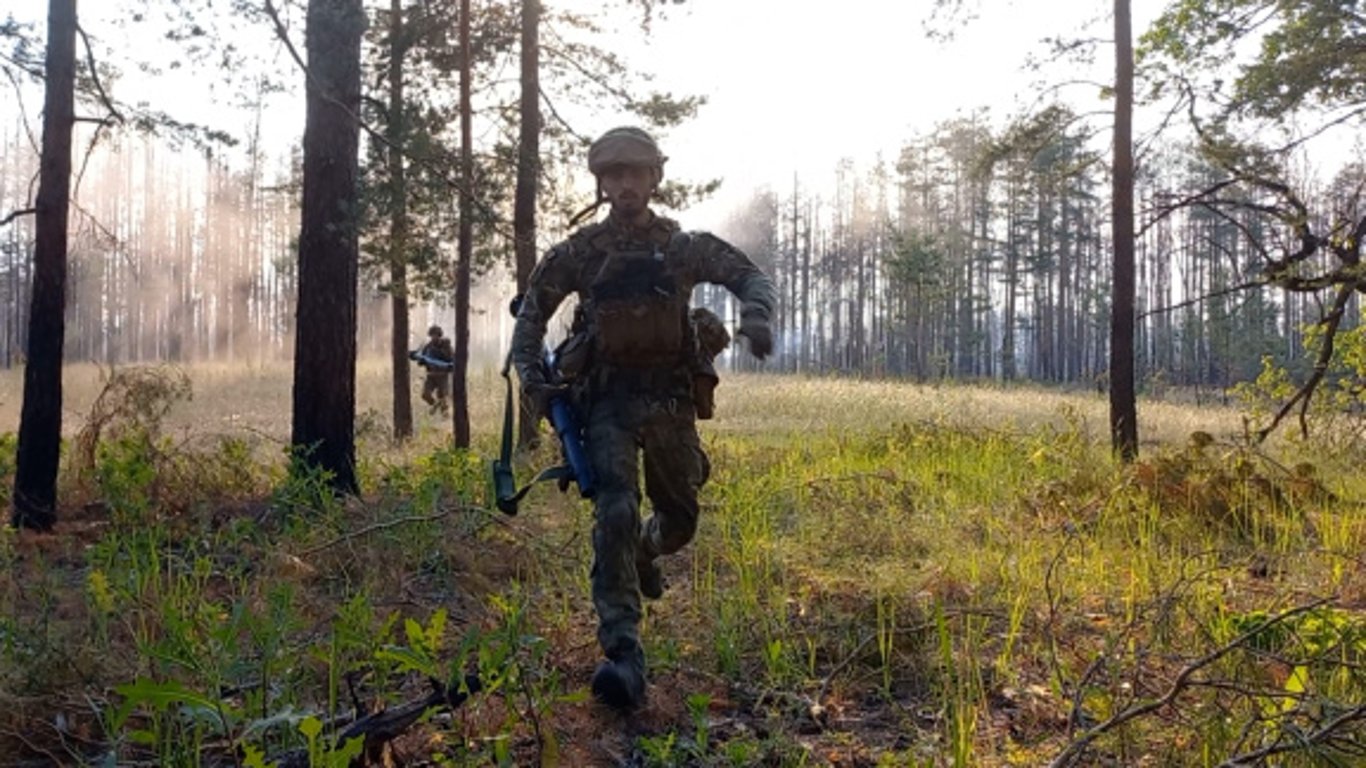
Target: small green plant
[[9, 448], [658, 751], [699, 705], [307, 487], [126, 474]]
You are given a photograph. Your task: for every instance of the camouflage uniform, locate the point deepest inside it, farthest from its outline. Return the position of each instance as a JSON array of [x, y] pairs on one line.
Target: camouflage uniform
[[436, 388], [635, 393]]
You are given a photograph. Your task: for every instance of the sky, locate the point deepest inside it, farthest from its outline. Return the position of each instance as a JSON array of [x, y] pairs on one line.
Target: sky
[[792, 87]]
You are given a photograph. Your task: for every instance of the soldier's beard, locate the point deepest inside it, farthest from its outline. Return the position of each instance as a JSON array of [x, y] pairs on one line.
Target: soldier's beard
[[629, 210]]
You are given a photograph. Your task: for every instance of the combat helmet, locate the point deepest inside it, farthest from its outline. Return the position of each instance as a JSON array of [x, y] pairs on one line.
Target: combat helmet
[[626, 145], [435, 330]]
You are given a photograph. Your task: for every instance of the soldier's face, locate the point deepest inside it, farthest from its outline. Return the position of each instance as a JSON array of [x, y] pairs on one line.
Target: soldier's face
[[628, 188]]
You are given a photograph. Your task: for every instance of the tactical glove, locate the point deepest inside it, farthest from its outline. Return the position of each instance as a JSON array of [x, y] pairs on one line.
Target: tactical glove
[[539, 394], [755, 328]]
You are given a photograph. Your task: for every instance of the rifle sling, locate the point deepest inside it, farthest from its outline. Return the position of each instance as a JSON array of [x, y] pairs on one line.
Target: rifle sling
[[564, 473]]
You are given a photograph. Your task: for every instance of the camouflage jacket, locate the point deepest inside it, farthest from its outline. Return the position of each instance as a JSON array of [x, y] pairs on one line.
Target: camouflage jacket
[[570, 267]]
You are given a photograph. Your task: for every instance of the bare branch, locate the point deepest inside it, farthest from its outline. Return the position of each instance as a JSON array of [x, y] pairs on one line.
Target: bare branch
[[495, 221], [1184, 680], [1205, 297], [1322, 734], [1306, 391], [95, 76], [545, 97], [16, 214], [23, 112], [387, 524], [1185, 202]]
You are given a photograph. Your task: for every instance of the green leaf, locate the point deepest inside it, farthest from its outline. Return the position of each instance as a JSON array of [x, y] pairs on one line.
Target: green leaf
[[162, 695]]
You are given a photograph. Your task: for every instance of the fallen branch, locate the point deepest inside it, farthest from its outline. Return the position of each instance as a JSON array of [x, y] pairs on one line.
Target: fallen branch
[[383, 727], [396, 522], [1178, 686], [1301, 741]]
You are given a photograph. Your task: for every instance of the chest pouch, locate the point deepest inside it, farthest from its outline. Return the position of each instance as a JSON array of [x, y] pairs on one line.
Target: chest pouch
[[640, 318]]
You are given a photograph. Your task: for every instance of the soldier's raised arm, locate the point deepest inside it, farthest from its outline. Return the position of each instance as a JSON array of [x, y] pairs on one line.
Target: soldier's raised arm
[[549, 283], [717, 261]]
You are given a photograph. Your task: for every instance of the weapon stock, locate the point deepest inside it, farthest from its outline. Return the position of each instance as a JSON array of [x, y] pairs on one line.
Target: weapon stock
[[561, 416]]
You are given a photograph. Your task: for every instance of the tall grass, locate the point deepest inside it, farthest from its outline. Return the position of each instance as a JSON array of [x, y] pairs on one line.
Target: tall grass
[[885, 574]]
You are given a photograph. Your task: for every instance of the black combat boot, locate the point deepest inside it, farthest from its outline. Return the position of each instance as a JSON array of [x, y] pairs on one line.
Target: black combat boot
[[620, 681], [651, 579]]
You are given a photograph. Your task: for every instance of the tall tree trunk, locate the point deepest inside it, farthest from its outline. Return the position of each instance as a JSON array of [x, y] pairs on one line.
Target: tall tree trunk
[[398, 229], [1123, 409], [528, 173], [325, 346], [40, 423], [1012, 279], [460, 376]]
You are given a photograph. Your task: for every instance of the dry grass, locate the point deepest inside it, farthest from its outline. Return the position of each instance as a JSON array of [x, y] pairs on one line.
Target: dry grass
[[885, 574], [239, 398]]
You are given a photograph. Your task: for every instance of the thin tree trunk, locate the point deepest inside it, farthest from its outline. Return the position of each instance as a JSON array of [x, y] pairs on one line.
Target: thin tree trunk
[[1123, 409], [460, 376], [528, 173], [324, 426], [398, 230], [40, 424]]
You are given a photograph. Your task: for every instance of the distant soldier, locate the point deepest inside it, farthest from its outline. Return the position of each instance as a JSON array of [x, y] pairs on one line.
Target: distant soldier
[[639, 367], [436, 388]]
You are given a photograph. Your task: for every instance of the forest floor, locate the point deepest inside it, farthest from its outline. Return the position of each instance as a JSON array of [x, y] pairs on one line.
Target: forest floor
[[885, 574]]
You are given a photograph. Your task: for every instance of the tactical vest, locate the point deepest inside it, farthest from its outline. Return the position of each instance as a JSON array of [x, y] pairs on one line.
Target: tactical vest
[[637, 310]]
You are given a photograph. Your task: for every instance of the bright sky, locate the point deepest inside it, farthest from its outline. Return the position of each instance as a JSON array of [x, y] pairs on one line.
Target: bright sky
[[796, 86], [793, 87]]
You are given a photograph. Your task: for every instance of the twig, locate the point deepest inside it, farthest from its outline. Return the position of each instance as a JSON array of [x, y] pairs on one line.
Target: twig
[[545, 97], [840, 667], [1205, 297], [16, 214], [495, 221], [1306, 392], [858, 649], [1305, 740], [1178, 686], [387, 725], [387, 524], [95, 76], [1074, 716]]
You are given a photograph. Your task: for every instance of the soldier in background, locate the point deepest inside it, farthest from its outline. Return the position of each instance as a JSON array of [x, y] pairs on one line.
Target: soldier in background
[[638, 364], [436, 388]]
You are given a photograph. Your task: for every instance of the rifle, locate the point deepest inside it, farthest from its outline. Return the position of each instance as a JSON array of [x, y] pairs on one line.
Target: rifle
[[577, 468], [429, 362]]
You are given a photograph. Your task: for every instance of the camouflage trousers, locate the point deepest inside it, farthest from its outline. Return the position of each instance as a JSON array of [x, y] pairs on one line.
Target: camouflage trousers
[[620, 429], [436, 390]]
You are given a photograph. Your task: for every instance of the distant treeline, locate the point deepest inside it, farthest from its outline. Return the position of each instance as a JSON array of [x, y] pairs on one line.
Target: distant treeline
[[974, 255], [177, 258], [984, 254]]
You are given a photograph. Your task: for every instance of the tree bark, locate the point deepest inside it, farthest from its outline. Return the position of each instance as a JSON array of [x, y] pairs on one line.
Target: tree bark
[[325, 345], [528, 173], [40, 423], [1123, 409], [460, 376], [398, 230]]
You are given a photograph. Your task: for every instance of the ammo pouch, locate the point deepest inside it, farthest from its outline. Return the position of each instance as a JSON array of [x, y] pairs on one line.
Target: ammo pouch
[[712, 339]]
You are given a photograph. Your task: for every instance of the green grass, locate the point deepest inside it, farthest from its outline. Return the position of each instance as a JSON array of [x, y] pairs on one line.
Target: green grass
[[885, 574]]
